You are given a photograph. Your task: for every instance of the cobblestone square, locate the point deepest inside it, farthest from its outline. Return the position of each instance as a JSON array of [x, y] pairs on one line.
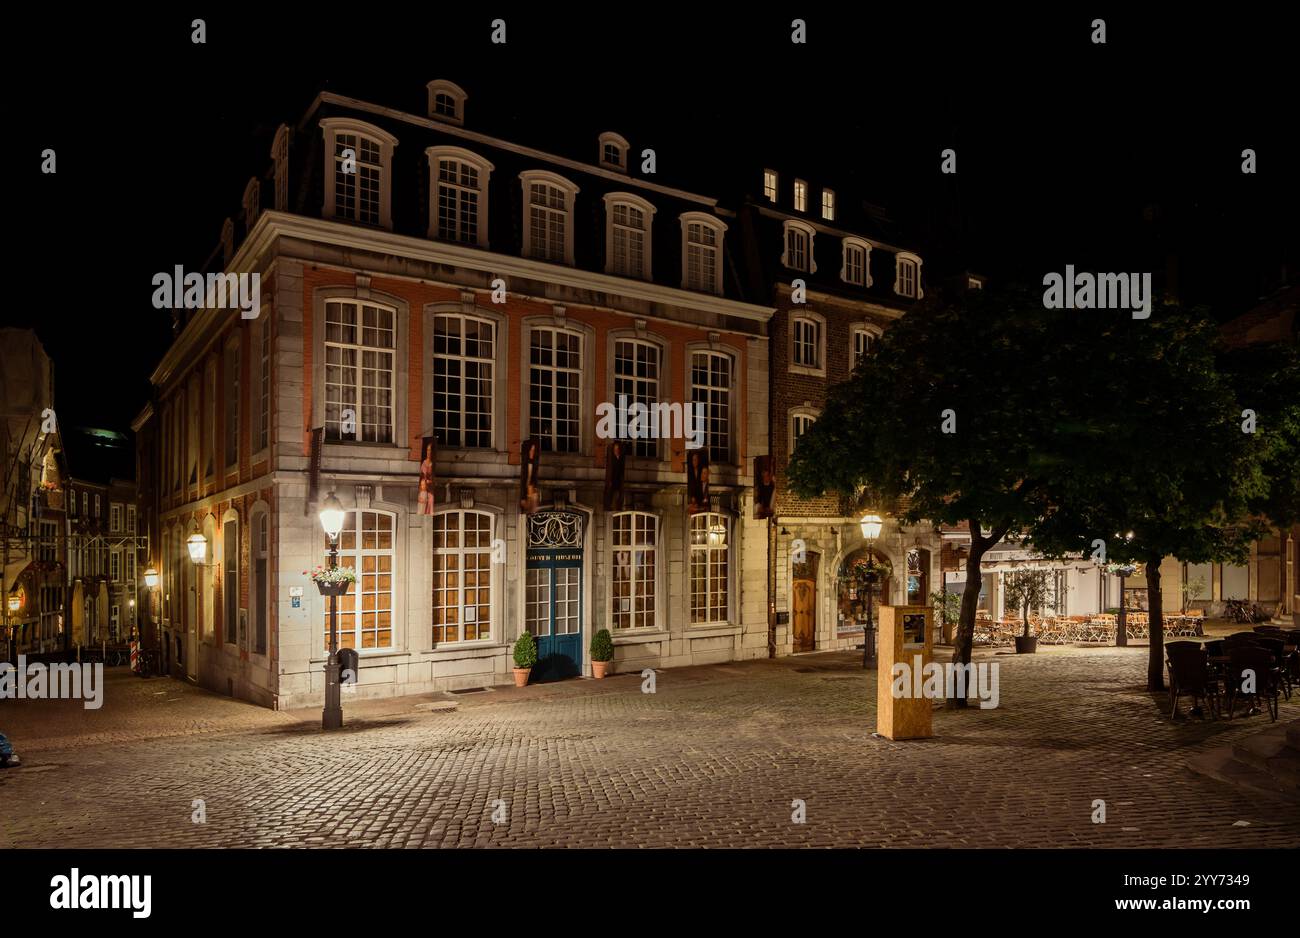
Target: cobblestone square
[[715, 758]]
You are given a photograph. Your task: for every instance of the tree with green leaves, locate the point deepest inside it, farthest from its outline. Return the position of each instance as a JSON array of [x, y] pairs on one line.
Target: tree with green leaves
[[1026, 589], [1160, 466], [955, 414]]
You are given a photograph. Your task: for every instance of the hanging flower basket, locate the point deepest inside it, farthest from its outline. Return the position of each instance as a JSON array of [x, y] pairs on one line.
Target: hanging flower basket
[[333, 582]]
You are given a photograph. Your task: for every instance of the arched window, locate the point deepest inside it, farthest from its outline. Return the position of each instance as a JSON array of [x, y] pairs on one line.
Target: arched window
[[446, 101], [627, 235], [230, 574], [907, 275], [801, 419], [462, 576], [634, 537], [807, 343], [548, 213], [799, 247], [864, 337], [613, 151], [710, 572], [359, 160], [702, 252], [856, 268], [458, 193], [366, 610]]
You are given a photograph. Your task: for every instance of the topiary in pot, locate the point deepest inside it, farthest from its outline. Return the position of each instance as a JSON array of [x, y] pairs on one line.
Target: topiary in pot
[[525, 658], [602, 654]]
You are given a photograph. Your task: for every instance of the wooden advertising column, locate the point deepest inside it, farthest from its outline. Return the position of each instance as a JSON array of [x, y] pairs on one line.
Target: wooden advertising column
[[905, 637]]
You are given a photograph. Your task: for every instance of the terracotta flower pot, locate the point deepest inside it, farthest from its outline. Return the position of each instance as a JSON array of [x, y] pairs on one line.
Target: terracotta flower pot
[[600, 668], [521, 676]]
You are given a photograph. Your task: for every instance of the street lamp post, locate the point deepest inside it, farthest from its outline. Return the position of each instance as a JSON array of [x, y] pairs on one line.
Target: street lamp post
[[151, 617], [331, 519], [871, 524]]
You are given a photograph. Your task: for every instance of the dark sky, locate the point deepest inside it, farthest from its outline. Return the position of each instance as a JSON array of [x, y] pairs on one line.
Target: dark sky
[[1061, 143]]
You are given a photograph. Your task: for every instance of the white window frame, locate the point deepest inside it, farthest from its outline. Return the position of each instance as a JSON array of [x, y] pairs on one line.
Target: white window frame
[[609, 138], [771, 181], [729, 453], [130, 519], [452, 90], [807, 317], [115, 517], [436, 156], [356, 590], [392, 351], [828, 204], [636, 544], [688, 219], [115, 565], [902, 260], [795, 227], [280, 156], [613, 200], [806, 416], [463, 358], [332, 127], [460, 551], [709, 521], [872, 335], [642, 390], [547, 442], [974, 283], [541, 177], [262, 430], [800, 196], [856, 244]]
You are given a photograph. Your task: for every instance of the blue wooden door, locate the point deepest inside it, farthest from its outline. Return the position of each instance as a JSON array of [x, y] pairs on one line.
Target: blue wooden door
[[553, 612]]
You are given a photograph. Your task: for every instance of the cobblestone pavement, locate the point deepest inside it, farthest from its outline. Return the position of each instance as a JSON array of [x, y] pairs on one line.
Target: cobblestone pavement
[[714, 758]]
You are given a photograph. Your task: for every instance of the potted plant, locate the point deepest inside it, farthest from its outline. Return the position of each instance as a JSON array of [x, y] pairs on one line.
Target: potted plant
[[1025, 590], [525, 658], [602, 654], [333, 581]]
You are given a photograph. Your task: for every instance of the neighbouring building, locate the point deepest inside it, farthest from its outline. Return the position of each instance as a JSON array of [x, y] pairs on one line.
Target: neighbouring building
[[29, 499], [855, 275], [423, 282]]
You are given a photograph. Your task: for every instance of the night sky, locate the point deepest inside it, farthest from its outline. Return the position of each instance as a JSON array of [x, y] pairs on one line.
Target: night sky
[[1062, 145]]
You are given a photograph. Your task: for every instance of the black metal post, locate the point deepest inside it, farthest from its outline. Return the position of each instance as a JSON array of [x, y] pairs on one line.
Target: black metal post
[[1121, 629], [332, 717], [868, 634]]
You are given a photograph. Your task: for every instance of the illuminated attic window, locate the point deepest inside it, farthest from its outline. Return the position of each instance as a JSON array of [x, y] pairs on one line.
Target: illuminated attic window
[[447, 101]]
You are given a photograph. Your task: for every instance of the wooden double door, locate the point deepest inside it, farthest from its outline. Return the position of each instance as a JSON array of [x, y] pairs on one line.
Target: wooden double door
[[803, 605]]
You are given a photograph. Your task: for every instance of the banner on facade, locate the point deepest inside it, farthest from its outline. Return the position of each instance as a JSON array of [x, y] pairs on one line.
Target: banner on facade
[[428, 447], [697, 481], [530, 493], [313, 475], [764, 487], [615, 463]]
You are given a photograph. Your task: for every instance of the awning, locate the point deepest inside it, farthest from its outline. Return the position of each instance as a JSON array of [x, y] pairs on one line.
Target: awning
[[78, 609], [13, 570]]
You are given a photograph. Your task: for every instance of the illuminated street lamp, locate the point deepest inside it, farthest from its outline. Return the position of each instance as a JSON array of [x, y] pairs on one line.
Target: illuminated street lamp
[[871, 525], [151, 578], [331, 520]]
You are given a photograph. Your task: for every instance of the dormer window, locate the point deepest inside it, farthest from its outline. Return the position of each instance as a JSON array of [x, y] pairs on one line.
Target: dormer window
[[857, 262], [446, 101], [613, 152], [799, 247], [800, 196], [280, 154], [359, 159], [458, 191], [769, 184], [907, 275], [974, 283], [627, 235], [227, 242], [252, 194], [702, 252], [548, 214]]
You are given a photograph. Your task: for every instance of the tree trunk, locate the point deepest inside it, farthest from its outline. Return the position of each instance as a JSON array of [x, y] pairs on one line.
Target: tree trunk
[[964, 640], [1155, 626], [1026, 614]]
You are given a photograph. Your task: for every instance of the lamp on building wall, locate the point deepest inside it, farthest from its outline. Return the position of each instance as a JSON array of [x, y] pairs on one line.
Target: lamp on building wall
[[198, 548], [871, 524], [151, 578]]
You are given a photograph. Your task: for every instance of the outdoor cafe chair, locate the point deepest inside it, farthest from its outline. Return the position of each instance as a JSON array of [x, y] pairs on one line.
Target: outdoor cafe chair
[[1277, 650], [1264, 629], [1189, 673], [1247, 660]]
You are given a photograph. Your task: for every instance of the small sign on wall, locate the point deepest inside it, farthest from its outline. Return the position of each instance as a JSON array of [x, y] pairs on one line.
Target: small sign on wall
[[295, 597]]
